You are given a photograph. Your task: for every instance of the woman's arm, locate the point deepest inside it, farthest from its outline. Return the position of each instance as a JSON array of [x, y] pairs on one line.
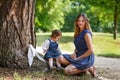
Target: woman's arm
[[88, 40]]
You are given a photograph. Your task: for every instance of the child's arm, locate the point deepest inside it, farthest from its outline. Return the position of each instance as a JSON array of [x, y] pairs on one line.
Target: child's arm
[[45, 46]]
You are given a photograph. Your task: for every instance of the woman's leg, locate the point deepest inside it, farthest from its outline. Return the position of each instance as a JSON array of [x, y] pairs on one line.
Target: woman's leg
[[71, 69], [92, 71], [63, 61]]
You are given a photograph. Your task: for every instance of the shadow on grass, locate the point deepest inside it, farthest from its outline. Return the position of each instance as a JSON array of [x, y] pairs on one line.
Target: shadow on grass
[[111, 55], [42, 38], [103, 34], [65, 39], [106, 34]]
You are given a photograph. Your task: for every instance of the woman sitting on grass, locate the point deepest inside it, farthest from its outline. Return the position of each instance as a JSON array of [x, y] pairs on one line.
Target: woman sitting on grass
[[82, 59]]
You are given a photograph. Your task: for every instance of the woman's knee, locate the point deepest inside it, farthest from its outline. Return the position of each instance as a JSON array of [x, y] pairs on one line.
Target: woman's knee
[[71, 69], [67, 71], [62, 60]]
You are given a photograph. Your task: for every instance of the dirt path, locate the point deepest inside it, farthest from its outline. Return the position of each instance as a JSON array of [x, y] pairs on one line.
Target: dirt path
[[109, 63], [107, 68]]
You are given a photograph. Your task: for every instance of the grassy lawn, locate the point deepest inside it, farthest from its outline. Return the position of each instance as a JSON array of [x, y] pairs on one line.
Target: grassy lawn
[[38, 75], [104, 44]]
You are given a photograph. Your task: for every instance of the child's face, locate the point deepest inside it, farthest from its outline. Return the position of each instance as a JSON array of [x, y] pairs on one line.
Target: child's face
[[57, 38]]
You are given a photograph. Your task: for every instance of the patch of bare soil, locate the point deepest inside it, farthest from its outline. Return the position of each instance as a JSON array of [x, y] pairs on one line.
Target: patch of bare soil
[[107, 69]]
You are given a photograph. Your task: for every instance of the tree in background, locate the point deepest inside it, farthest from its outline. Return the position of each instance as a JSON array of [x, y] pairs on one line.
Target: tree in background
[[16, 32], [49, 14], [75, 7], [111, 10]]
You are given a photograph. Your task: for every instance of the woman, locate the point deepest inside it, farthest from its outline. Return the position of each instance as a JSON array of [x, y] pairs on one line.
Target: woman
[[82, 59]]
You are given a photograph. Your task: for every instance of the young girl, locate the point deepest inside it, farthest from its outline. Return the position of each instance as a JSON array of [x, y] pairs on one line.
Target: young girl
[[52, 50]]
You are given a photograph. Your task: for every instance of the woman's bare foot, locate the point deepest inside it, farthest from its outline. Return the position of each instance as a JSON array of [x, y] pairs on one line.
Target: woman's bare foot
[[92, 71]]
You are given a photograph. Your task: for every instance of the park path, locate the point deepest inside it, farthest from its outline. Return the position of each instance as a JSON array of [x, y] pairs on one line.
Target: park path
[[100, 62], [107, 68], [110, 63]]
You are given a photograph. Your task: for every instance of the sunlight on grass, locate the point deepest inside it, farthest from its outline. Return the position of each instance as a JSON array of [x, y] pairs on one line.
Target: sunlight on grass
[[104, 44], [17, 76], [2, 78], [38, 74]]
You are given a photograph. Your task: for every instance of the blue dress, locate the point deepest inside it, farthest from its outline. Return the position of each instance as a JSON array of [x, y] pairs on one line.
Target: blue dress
[[81, 47], [52, 51]]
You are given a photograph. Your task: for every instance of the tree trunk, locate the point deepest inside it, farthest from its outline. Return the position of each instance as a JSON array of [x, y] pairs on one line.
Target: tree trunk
[[16, 32], [115, 20]]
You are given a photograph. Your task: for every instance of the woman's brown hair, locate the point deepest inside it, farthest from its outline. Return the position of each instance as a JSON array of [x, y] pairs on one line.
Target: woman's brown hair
[[76, 27]]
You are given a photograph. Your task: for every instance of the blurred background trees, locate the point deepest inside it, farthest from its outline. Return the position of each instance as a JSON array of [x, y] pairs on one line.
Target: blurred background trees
[[103, 15]]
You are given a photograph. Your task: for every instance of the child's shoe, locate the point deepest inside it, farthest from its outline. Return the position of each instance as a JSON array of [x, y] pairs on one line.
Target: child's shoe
[[52, 68], [60, 68]]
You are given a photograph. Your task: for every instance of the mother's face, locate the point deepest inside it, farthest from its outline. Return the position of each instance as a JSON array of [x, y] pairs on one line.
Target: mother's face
[[81, 23]]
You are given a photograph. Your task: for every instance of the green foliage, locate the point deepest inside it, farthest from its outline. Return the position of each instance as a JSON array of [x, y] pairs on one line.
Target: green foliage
[[49, 14], [105, 11], [52, 14], [75, 9]]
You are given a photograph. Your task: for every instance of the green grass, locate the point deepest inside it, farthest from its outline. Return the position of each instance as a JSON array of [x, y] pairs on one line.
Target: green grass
[[38, 75], [104, 44]]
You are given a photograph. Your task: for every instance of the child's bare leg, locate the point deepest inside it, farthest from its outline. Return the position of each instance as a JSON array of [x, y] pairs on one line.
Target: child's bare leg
[[57, 62], [50, 62], [59, 67]]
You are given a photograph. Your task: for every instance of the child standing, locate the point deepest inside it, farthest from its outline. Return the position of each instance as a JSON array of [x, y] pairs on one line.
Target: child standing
[[52, 50]]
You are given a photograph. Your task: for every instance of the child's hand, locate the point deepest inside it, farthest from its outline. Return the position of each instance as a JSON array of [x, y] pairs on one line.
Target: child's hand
[[73, 56], [44, 51]]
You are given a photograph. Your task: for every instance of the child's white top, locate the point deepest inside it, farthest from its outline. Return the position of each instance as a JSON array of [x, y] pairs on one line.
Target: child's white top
[[46, 46]]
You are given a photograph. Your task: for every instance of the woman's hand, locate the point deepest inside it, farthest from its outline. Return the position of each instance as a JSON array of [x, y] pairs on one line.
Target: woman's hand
[[73, 56], [76, 58]]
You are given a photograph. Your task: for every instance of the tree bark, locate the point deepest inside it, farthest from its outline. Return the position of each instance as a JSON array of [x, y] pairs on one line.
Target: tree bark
[[16, 32], [115, 20]]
